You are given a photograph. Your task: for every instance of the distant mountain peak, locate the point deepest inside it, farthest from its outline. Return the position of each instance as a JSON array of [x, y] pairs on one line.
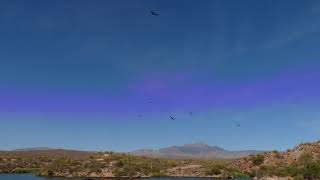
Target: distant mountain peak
[[198, 144], [197, 150]]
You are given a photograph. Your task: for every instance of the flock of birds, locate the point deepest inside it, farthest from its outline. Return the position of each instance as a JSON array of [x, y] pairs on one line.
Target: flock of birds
[[153, 13]]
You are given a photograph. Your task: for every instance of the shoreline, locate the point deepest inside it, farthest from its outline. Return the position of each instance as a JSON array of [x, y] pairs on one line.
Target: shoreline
[[148, 177], [123, 177]]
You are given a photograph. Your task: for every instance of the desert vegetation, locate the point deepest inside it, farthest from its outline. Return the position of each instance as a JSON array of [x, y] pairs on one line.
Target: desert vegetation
[[102, 164], [302, 162]]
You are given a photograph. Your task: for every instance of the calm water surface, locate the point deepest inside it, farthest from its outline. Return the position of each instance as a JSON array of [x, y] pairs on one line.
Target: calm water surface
[[30, 177]]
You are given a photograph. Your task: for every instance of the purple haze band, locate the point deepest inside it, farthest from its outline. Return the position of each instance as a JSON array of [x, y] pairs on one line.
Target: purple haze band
[[156, 95]]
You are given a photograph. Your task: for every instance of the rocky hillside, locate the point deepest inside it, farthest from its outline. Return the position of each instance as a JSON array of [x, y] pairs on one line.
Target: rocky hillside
[[194, 151], [303, 160]]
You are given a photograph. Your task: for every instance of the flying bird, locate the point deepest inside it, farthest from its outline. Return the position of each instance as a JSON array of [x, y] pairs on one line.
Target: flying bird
[[173, 118], [154, 13], [139, 115]]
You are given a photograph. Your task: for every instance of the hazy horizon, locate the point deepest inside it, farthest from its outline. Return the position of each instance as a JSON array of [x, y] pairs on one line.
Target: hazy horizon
[[132, 150], [109, 75]]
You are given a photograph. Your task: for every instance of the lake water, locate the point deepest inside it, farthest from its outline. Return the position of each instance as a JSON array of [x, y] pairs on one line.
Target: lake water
[[30, 177]]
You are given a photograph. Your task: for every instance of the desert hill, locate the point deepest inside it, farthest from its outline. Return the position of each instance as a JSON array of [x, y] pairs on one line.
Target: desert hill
[[303, 160]]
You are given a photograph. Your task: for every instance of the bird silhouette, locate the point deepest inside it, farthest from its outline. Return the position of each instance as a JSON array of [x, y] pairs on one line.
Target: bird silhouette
[[154, 13], [173, 118]]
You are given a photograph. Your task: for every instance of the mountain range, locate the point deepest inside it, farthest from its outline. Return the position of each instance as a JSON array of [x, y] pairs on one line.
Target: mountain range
[[195, 151], [35, 149], [186, 151]]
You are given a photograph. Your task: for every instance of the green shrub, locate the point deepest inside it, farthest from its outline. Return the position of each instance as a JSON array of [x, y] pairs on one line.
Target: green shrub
[[257, 159], [298, 177], [158, 174], [234, 172], [312, 171], [305, 159], [240, 175], [25, 170], [214, 169]]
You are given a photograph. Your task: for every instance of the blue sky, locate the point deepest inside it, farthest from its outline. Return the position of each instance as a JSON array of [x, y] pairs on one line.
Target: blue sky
[[106, 75]]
